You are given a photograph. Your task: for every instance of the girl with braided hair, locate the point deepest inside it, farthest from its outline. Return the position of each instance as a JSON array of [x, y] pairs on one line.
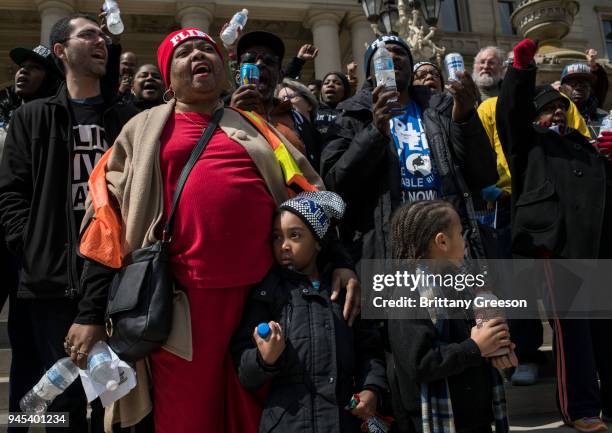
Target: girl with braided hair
[[440, 375]]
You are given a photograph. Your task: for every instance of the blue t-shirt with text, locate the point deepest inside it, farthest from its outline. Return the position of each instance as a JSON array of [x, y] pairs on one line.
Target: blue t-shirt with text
[[418, 176]]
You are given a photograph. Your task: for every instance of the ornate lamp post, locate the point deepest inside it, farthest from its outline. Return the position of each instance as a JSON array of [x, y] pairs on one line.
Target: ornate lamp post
[[431, 9], [371, 9], [415, 21]]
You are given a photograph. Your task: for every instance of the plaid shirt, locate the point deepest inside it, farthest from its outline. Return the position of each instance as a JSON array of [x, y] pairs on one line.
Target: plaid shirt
[[436, 406]]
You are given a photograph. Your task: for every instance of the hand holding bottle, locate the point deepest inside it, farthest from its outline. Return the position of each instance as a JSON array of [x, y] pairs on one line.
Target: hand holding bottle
[[366, 408], [490, 336], [270, 346], [229, 34], [506, 361]]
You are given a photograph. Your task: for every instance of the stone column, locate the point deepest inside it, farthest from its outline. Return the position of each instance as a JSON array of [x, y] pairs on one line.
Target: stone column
[[190, 15], [361, 35], [50, 12], [325, 37]]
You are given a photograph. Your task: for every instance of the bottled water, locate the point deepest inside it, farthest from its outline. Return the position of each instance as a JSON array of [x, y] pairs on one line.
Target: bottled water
[[486, 311], [99, 364], [606, 124], [384, 70], [113, 17], [53, 383], [238, 21]]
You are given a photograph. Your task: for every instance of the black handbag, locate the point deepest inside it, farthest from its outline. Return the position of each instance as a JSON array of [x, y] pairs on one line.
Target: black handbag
[[139, 310]]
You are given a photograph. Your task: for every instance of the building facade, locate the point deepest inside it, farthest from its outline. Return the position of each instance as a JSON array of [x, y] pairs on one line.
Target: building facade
[[337, 27]]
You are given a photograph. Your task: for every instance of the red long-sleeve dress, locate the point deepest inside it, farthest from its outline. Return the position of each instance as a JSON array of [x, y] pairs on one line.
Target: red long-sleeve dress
[[220, 248]]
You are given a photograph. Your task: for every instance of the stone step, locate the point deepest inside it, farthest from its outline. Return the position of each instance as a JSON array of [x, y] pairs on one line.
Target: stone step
[[4, 393], [5, 366], [5, 362], [541, 423], [537, 399]]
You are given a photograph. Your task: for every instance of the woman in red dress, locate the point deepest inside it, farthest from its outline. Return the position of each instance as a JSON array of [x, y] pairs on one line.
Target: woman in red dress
[[220, 244]]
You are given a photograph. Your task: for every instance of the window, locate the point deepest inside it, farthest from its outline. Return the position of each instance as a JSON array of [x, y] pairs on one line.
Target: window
[[454, 16], [505, 12], [450, 18], [607, 28]]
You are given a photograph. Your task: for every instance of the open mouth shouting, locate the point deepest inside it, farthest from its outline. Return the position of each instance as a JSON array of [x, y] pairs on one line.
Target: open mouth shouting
[[201, 70], [99, 55], [150, 86]]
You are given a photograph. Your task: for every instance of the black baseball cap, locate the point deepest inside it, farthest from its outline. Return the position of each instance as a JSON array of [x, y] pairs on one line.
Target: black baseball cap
[[261, 38], [40, 54], [546, 94]]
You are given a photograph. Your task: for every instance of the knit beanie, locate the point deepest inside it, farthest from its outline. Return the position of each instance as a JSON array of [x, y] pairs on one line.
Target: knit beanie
[[316, 209], [416, 67], [387, 39], [173, 40]]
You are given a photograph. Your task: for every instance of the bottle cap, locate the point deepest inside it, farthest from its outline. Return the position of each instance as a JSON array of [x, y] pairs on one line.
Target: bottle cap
[[111, 385], [263, 329]]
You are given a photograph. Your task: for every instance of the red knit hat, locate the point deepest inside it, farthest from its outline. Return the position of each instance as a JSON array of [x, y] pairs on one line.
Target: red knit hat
[[173, 40]]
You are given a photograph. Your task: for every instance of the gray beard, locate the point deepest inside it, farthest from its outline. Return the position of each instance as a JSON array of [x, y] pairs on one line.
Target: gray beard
[[486, 81]]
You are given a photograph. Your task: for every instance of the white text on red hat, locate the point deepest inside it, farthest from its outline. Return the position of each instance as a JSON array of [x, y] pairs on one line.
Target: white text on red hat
[[180, 37]]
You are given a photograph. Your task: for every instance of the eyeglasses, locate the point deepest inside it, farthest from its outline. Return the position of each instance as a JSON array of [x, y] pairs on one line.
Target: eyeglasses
[[422, 75], [91, 36], [253, 57], [290, 97]]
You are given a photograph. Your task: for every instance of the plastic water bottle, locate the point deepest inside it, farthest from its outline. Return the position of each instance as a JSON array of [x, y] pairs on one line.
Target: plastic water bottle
[[238, 21], [113, 17], [384, 70], [99, 364], [606, 124], [486, 311], [53, 383]]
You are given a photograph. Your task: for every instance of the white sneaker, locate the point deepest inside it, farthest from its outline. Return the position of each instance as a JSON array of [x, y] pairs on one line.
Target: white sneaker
[[525, 374]]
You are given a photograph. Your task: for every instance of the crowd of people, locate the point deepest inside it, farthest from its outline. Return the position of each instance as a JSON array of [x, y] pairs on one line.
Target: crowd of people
[[297, 183]]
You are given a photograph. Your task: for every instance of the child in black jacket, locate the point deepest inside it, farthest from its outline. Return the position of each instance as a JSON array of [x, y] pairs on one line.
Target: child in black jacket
[[441, 380], [313, 360]]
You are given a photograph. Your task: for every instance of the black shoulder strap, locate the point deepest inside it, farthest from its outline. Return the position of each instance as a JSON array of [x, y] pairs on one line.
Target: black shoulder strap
[[193, 158]]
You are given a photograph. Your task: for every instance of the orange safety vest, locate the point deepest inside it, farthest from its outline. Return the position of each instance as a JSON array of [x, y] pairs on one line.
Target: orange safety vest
[[294, 178]]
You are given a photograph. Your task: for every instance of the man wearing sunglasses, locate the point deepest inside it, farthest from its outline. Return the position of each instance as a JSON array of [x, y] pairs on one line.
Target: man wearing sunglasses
[[267, 50], [51, 148]]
